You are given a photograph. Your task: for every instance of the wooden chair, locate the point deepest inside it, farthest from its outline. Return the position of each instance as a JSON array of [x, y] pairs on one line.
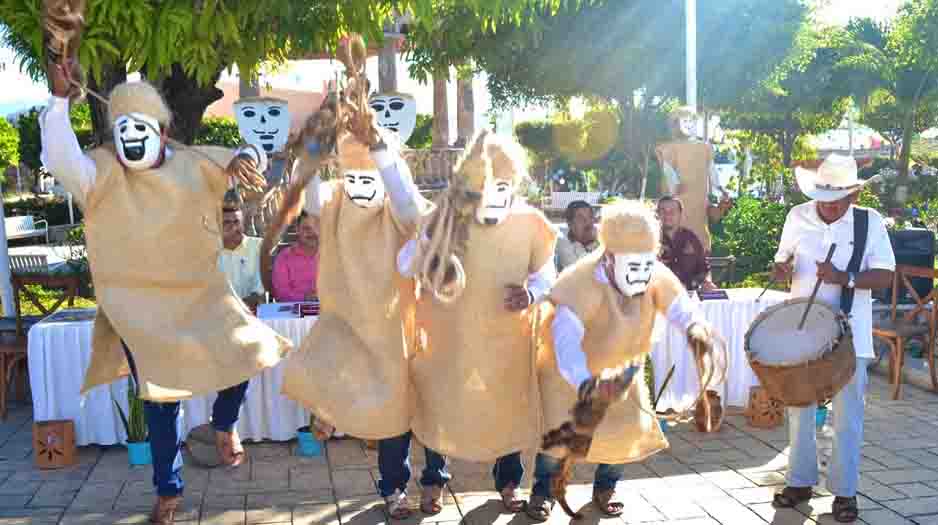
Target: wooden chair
[[27, 270], [722, 269], [896, 331]]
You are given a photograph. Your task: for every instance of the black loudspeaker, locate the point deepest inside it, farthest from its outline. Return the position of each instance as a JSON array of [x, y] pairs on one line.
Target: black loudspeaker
[[912, 247]]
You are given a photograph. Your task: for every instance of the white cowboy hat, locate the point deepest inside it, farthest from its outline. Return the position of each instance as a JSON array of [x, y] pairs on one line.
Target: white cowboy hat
[[834, 179]]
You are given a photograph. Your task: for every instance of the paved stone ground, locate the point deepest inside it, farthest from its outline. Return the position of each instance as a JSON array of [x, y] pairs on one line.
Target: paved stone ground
[[725, 478]]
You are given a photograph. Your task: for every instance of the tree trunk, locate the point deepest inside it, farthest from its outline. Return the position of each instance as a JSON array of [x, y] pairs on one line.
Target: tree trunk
[[465, 110], [111, 76], [440, 110], [906, 151], [187, 101]]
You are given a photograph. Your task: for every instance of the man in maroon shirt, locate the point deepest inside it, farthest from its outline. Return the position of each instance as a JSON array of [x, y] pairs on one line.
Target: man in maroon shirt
[[681, 250]]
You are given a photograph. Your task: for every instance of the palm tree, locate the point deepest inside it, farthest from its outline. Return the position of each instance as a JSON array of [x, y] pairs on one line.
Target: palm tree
[[890, 67]]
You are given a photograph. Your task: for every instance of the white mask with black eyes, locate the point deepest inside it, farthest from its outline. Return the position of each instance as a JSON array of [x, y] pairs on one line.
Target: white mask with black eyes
[[364, 188], [396, 112], [263, 123], [633, 272], [137, 140], [497, 196]]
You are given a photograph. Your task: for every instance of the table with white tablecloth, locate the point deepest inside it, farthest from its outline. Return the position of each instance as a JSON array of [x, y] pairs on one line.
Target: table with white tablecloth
[[60, 352], [730, 319]]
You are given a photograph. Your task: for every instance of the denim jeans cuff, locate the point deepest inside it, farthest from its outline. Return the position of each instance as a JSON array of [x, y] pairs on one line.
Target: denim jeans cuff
[[224, 428], [169, 491]]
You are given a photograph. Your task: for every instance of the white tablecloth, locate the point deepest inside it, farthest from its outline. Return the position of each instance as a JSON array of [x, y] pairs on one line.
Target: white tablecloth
[[60, 352], [730, 318]]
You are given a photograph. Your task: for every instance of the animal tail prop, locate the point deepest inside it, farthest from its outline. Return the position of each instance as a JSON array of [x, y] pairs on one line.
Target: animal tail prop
[[575, 437], [62, 24]]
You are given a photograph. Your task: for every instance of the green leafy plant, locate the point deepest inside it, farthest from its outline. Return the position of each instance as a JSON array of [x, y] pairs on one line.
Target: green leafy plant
[[422, 137], [219, 131], [135, 425]]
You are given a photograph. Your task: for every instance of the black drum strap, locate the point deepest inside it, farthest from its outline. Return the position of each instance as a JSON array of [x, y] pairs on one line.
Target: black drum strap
[[861, 222]]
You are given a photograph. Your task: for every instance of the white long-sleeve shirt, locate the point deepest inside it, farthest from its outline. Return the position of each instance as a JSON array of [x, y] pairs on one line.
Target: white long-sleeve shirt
[[63, 158], [398, 184], [568, 332], [538, 283]]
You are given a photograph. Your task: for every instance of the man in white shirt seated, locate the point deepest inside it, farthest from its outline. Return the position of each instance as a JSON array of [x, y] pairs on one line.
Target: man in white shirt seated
[[581, 235], [240, 259]]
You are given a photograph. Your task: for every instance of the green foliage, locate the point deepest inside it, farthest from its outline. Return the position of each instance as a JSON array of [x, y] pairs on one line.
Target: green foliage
[[135, 426], [47, 298], [751, 231], [892, 70], [804, 96], [53, 210], [219, 131], [9, 144], [422, 137], [610, 49], [30, 145]]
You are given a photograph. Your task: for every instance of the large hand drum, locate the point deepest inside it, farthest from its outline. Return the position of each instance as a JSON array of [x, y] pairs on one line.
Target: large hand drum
[[801, 367]]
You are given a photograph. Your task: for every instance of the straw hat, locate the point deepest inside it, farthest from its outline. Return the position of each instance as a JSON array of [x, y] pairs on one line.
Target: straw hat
[[629, 227], [138, 97], [834, 179]]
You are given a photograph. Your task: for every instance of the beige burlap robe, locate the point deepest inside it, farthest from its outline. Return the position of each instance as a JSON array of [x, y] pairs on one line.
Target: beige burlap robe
[[351, 369], [153, 238], [473, 369], [618, 331], [692, 161]]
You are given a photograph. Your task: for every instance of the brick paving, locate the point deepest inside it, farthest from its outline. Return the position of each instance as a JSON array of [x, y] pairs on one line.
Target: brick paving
[[725, 478]]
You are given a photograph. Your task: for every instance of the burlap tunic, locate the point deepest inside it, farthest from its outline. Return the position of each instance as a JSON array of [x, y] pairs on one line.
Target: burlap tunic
[[474, 366], [351, 369], [618, 331], [153, 238], [692, 161]]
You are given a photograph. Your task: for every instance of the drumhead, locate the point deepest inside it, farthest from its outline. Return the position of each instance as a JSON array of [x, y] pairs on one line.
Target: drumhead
[[774, 338]]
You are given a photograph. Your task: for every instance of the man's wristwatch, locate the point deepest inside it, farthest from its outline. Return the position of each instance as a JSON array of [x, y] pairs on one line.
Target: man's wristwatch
[[851, 280]]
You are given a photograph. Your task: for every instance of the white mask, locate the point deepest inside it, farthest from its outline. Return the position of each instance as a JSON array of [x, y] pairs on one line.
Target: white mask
[[396, 112], [633, 272], [365, 188], [264, 124], [137, 140], [688, 126], [496, 201]]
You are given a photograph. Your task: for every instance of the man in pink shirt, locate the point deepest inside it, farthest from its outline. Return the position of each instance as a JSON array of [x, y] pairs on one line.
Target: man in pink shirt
[[297, 267]]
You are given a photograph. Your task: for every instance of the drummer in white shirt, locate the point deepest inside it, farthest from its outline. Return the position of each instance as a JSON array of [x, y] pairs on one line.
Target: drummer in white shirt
[[810, 229]]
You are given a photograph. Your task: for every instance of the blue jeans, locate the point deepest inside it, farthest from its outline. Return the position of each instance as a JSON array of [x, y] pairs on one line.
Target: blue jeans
[[546, 466], [508, 469], [394, 466], [163, 429], [844, 471]]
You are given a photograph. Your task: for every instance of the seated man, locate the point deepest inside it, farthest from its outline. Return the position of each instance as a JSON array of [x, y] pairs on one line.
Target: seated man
[[581, 235], [240, 258], [297, 267], [681, 250]]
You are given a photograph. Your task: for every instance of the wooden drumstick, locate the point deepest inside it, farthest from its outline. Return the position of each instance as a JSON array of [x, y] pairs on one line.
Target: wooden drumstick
[[772, 281], [817, 285]]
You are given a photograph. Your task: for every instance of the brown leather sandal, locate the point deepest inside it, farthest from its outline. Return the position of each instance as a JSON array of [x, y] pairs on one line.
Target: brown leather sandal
[[164, 511], [539, 508], [602, 500], [510, 498], [791, 497], [396, 506], [431, 500], [845, 509]]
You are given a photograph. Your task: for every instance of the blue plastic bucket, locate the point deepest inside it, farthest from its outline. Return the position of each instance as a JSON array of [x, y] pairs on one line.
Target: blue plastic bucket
[[139, 453], [820, 417], [308, 445]]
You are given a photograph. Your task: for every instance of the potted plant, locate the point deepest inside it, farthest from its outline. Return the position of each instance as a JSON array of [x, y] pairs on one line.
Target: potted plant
[[138, 444], [307, 444], [820, 416]]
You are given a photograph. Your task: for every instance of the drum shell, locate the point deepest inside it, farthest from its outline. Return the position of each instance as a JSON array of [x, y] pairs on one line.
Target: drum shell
[[811, 382]]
